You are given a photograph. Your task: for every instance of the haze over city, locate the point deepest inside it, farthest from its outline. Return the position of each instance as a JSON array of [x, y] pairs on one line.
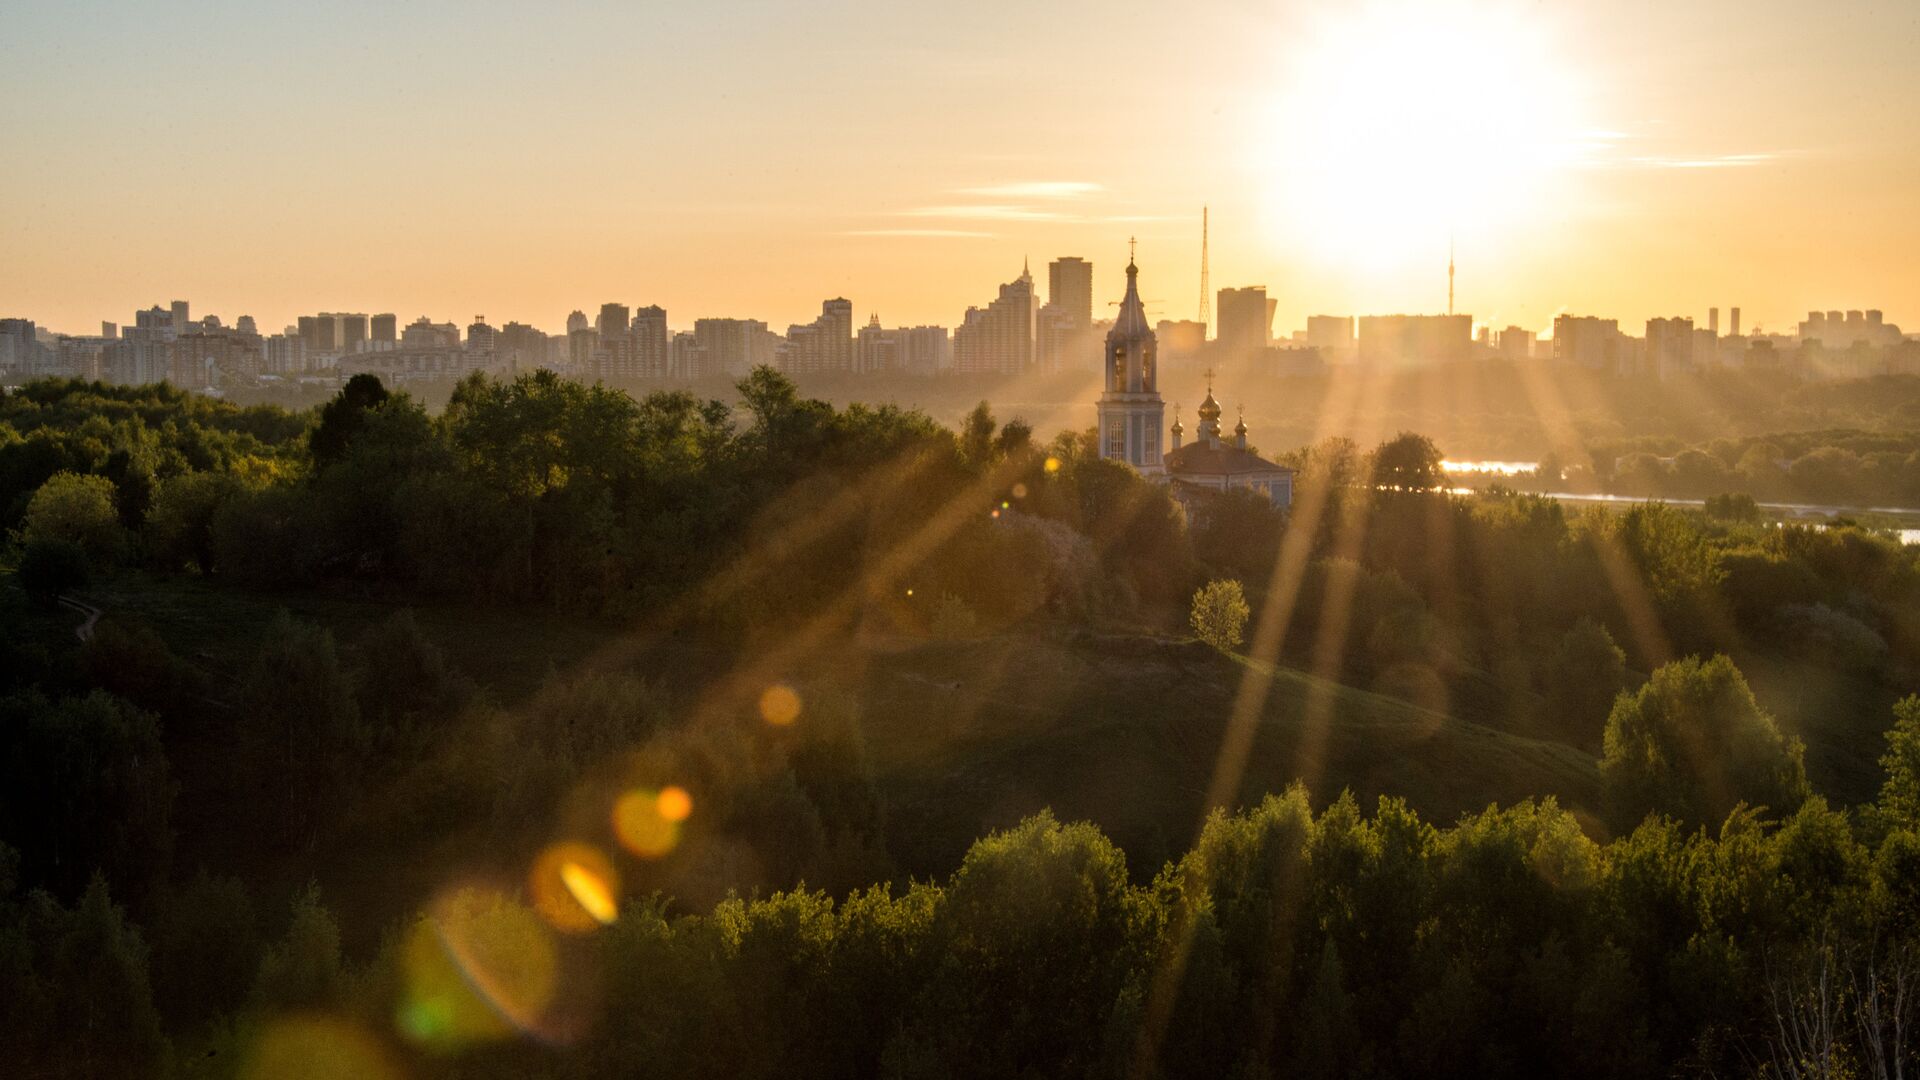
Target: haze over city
[[747, 159]]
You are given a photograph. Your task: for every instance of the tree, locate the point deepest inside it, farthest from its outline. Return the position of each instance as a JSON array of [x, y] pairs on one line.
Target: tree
[[180, 523], [342, 418], [302, 969], [1737, 506], [1219, 614], [1587, 670], [1693, 744], [77, 508], [303, 739], [85, 787], [1899, 803], [1408, 462]]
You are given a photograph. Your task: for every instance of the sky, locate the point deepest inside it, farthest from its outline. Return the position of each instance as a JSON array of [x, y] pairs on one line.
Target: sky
[[749, 158]]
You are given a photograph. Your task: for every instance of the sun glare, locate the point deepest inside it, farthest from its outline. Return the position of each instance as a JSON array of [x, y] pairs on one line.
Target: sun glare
[[1402, 124]]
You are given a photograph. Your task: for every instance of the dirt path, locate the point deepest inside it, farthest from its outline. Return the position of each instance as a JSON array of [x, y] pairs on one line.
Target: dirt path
[[85, 630]]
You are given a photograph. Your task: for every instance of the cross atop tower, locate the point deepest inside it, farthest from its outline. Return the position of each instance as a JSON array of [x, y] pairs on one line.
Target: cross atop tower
[[1209, 378], [1130, 251]]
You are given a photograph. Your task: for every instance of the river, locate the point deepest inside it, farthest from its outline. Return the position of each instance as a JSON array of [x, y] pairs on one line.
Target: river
[[1780, 509]]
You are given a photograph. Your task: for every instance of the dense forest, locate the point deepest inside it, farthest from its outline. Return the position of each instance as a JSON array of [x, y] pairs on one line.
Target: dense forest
[[293, 803]]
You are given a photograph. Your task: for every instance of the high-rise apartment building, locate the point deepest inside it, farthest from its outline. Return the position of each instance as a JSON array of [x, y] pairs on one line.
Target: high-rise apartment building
[[999, 337], [652, 358], [1588, 342], [1415, 339], [1331, 334], [384, 330], [825, 344], [1245, 321], [731, 347], [1670, 347], [1070, 290]]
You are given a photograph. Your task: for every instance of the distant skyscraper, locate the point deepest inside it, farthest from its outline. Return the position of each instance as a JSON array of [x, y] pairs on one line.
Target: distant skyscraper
[[179, 318], [352, 334], [1331, 334], [1245, 320], [652, 358], [577, 321], [825, 344], [999, 337], [731, 347], [1070, 289], [612, 321], [1589, 342], [521, 347], [384, 329], [245, 325], [481, 338], [1670, 347]]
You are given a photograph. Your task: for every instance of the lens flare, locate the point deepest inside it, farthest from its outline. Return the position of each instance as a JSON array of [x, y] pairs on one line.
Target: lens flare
[[574, 887], [675, 804], [316, 1046], [590, 892], [478, 968], [642, 821], [780, 705], [1019, 491], [1053, 465]]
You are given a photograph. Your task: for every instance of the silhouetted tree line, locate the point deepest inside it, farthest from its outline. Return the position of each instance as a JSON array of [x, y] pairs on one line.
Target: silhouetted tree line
[[1285, 942]]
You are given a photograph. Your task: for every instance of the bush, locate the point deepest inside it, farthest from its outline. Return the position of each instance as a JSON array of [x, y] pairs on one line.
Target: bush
[[1220, 614], [1693, 744], [51, 567], [1586, 672], [79, 509]]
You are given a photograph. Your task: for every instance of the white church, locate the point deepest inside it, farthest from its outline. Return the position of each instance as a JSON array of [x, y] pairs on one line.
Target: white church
[[1132, 414]]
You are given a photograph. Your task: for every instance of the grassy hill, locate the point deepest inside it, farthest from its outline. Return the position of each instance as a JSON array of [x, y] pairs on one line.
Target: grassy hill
[[1126, 732]]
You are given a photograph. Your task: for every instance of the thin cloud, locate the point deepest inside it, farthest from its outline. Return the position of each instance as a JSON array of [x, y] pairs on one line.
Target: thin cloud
[[1718, 161], [986, 212], [1036, 189], [954, 234]]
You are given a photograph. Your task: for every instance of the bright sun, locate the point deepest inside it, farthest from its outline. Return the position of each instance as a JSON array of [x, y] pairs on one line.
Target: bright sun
[[1405, 123]]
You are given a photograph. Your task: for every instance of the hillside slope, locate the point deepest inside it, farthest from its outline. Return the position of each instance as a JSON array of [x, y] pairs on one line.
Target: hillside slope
[[1126, 732]]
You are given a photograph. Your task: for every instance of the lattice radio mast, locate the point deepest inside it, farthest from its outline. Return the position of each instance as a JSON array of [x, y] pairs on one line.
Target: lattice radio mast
[[1204, 290]]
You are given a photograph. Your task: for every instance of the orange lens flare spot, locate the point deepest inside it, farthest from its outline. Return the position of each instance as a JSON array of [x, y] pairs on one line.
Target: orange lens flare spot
[[1019, 491], [641, 822], [779, 705], [675, 804], [574, 887], [590, 892], [1053, 464]]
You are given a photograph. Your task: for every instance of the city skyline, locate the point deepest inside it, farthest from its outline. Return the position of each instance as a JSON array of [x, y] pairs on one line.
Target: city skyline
[[440, 160]]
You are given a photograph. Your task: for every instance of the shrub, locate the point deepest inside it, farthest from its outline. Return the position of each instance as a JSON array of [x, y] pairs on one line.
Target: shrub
[[1220, 614]]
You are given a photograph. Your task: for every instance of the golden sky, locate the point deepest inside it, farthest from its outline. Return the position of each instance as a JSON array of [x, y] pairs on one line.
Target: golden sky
[[751, 158]]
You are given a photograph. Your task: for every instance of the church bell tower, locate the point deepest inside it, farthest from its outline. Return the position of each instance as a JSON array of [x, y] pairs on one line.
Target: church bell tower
[[1131, 412]]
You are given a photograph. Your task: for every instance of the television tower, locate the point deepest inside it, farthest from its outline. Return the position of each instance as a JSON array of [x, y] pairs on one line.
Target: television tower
[[1204, 321], [1449, 275]]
